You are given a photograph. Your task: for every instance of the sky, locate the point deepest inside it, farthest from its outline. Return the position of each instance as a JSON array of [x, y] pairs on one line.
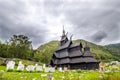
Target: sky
[[42, 21]]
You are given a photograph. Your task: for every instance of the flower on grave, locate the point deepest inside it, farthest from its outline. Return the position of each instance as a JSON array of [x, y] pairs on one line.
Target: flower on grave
[[80, 76], [50, 77], [34, 79], [100, 76], [23, 76], [62, 77], [107, 71], [53, 78], [43, 75]]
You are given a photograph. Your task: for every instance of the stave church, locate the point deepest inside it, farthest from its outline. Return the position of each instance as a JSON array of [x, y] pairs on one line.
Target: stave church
[[73, 56]]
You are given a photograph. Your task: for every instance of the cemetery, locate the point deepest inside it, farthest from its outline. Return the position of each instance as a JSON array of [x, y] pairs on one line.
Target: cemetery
[[30, 68], [107, 71]]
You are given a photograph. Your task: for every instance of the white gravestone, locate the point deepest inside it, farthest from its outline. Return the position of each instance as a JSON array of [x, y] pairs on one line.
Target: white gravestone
[[44, 66], [49, 69], [38, 67], [10, 65], [60, 69], [65, 68], [20, 66], [30, 68]]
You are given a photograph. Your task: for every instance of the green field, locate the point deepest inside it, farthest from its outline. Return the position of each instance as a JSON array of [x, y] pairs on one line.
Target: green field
[[57, 75]]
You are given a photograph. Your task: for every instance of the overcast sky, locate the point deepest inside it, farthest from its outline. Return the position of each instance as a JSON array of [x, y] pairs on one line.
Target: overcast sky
[[97, 21]]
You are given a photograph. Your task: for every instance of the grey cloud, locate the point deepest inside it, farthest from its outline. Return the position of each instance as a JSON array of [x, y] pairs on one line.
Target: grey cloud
[[53, 7], [98, 36], [90, 19], [95, 20], [11, 22]]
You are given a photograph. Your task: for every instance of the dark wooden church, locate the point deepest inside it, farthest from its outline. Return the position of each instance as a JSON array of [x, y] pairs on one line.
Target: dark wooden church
[[71, 55]]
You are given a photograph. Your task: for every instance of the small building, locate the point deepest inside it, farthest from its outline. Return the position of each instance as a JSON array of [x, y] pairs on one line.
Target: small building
[[71, 55]]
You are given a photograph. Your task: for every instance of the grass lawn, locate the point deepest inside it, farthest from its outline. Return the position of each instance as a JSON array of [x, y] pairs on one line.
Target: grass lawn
[[57, 75]]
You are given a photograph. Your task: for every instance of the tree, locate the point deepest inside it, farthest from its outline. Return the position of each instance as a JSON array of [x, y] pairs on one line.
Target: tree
[[20, 40], [21, 46]]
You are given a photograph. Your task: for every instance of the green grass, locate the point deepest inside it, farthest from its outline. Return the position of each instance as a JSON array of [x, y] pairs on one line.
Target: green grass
[[22, 76], [2, 67], [67, 75]]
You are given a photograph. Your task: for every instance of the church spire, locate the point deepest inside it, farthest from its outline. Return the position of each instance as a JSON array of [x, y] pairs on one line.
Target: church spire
[[64, 38], [63, 31], [63, 34]]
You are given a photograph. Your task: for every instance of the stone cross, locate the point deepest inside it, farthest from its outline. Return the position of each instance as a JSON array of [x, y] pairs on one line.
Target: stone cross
[[38, 67], [20, 66]]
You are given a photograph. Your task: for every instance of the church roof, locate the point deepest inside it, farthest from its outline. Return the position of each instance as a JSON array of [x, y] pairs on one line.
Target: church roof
[[66, 45], [83, 60], [68, 54], [87, 53], [75, 60], [74, 45], [75, 53], [64, 61]]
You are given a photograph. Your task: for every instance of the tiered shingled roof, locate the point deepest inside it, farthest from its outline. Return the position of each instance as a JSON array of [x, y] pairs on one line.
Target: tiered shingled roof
[[69, 53]]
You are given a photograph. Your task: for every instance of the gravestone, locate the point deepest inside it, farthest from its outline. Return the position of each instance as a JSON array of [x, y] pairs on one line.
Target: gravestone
[[20, 66], [65, 68], [60, 69], [47, 69], [38, 67], [30, 68], [51, 69], [44, 66], [10, 65]]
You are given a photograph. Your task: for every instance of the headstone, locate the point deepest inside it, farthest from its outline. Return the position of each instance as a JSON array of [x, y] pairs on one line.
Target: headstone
[[30, 68], [47, 69], [51, 69], [115, 62], [60, 68], [44, 66], [38, 67], [65, 68], [10, 65], [20, 66]]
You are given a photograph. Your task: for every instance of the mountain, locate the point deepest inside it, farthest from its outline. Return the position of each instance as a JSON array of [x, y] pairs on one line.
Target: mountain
[[114, 49], [101, 53], [117, 45]]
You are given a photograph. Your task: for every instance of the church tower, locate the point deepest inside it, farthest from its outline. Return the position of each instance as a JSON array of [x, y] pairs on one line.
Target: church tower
[[64, 38]]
